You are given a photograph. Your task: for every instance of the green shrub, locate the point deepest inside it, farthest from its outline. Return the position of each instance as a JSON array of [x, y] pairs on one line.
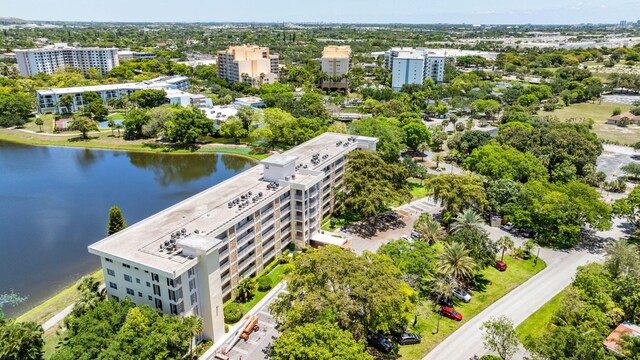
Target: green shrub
[[292, 246], [490, 357], [288, 268], [264, 283], [232, 313]]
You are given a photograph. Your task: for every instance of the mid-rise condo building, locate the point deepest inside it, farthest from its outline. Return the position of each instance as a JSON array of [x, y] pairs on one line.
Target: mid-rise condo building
[[188, 259], [336, 62], [252, 64], [51, 58], [413, 66], [48, 100]]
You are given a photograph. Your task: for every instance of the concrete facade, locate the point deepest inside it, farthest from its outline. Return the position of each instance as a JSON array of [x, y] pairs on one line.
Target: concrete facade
[[51, 58], [188, 259], [252, 64], [413, 66], [336, 62]]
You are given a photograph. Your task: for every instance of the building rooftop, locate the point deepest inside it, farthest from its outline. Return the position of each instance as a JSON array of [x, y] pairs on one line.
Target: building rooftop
[[63, 46], [615, 338], [157, 83], [339, 52], [213, 210]]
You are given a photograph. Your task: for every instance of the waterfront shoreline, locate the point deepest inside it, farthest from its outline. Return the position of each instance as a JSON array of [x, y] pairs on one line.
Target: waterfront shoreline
[[235, 150]]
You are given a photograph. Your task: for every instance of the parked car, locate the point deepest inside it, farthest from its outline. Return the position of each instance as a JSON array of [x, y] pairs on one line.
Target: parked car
[[508, 226], [380, 342], [500, 265], [449, 312], [408, 339], [405, 237], [445, 301], [415, 234], [462, 295]]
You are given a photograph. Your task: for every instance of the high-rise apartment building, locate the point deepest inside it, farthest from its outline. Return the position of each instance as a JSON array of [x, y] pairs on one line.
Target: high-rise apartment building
[[188, 259], [252, 64], [336, 62], [413, 66], [51, 58]]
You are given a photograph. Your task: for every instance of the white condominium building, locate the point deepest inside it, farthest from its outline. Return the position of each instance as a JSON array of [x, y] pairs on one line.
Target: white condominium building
[[51, 58], [336, 63], [188, 259], [249, 63], [413, 66], [48, 100]]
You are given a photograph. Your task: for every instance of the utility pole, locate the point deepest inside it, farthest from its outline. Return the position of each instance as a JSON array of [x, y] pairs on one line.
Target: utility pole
[[535, 261]]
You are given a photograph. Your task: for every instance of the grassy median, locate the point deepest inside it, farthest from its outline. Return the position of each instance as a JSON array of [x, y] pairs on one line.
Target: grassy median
[[536, 324], [496, 285]]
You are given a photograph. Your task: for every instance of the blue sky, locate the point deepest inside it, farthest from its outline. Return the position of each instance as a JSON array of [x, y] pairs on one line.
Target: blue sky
[[360, 11]]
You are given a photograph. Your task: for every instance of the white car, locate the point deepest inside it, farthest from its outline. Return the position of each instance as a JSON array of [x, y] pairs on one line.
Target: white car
[[508, 226], [405, 237], [462, 295]]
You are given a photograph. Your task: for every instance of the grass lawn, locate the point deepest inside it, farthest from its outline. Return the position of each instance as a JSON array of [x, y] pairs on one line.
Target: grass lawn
[[418, 191], [332, 223], [275, 275], [599, 113], [51, 339], [498, 284], [43, 312], [115, 116], [536, 324]]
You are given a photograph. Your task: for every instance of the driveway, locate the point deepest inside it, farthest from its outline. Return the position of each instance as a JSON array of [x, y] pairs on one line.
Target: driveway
[[615, 157]]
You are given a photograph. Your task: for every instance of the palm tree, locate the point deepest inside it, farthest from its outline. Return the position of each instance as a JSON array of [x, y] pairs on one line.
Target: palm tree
[[423, 147], [467, 220], [429, 229], [438, 159], [245, 289], [87, 301], [453, 119], [194, 324], [88, 283], [454, 261], [505, 243]]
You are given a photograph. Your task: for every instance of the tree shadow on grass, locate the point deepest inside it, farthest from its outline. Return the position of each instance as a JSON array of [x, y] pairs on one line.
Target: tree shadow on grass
[[80, 138], [480, 283]]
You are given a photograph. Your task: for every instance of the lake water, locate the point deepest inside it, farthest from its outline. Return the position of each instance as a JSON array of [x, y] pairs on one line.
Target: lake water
[[55, 201]]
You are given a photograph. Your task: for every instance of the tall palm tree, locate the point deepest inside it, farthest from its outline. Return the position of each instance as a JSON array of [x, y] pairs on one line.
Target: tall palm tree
[[195, 326], [467, 220], [87, 301], [438, 159], [505, 243], [429, 229], [423, 147], [245, 289], [88, 283], [454, 260]]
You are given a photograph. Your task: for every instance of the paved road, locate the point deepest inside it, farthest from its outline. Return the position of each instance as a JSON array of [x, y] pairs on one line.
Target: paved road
[[466, 342]]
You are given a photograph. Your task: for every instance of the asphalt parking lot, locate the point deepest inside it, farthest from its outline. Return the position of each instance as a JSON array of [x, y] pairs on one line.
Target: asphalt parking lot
[[610, 163], [620, 99]]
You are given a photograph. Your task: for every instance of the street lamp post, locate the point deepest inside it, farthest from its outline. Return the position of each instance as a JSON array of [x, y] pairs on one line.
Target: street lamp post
[[535, 261]]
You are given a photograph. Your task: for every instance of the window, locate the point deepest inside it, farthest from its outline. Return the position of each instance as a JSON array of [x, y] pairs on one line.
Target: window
[[137, 281], [191, 272], [180, 307], [194, 298], [113, 286], [108, 260], [111, 272], [115, 297], [155, 277], [127, 266], [149, 297], [158, 304], [127, 278], [192, 284], [156, 289], [130, 292], [170, 282], [174, 309], [172, 295], [139, 294]]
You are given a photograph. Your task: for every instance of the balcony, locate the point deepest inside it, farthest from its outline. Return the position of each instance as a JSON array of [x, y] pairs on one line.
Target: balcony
[[248, 272], [244, 227], [246, 250], [241, 240]]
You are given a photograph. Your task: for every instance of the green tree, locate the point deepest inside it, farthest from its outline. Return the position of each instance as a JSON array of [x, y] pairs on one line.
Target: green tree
[[158, 117], [387, 130], [454, 261], [370, 184], [187, 126], [364, 295], [429, 229], [98, 111], [504, 243], [416, 133], [632, 169], [245, 289], [416, 260], [39, 122], [629, 208], [112, 125], [466, 142], [133, 123], [501, 193], [20, 340], [149, 98], [89, 96], [15, 109], [233, 129], [499, 335], [84, 125], [467, 220], [116, 221], [66, 102], [459, 192], [318, 341], [497, 162]]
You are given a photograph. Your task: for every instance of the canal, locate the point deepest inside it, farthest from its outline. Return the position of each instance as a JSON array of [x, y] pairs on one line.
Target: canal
[[54, 201]]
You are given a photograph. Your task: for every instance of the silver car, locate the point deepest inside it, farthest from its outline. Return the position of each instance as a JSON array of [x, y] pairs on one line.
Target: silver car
[[462, 295]]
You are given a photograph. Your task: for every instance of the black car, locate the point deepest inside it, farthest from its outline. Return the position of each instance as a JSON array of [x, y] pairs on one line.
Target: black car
[[380, 342], [445, 301], [408, 339]]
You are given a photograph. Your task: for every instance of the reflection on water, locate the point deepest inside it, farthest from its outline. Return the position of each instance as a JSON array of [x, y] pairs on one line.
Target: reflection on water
[[55, 201]]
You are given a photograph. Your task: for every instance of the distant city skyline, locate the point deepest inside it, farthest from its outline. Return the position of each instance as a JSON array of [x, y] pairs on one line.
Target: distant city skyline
[[331, 11]]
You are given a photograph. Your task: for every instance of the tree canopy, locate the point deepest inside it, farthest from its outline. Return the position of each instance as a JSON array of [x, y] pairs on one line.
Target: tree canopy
[[318, 341], [497, 162], [459, 192]]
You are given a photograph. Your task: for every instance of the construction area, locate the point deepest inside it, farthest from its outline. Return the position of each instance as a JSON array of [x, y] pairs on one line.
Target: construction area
[[253, 339]]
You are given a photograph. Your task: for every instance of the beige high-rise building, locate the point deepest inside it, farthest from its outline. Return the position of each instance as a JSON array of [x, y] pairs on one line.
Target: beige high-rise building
[[336, 62], [252, 64]]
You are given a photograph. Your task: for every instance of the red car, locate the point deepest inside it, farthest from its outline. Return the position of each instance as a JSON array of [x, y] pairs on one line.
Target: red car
[[501, 266], [450, 313]]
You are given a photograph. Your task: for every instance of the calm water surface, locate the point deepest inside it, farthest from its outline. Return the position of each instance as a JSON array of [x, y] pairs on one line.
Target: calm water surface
[[55, 201]]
